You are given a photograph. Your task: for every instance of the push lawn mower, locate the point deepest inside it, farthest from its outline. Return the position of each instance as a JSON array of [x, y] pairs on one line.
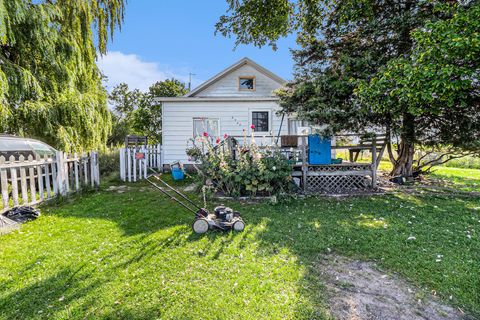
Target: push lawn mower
[[223, 218]]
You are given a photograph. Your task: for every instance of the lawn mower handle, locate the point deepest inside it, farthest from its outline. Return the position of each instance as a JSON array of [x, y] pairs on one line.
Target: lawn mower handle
[[178, 192], [172, 197]]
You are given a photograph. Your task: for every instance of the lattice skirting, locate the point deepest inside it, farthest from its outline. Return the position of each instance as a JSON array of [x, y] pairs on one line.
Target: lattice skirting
[[333, 183]]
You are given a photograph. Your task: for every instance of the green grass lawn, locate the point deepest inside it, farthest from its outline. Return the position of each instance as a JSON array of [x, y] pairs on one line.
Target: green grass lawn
[[459, 179], [462, 179], [132, 255]]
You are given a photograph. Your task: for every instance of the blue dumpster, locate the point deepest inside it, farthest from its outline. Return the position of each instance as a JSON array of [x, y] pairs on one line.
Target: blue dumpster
[[319, 150]]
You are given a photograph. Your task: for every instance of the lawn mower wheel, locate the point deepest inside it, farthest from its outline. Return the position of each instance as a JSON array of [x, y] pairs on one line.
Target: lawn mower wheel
[[200, 226]]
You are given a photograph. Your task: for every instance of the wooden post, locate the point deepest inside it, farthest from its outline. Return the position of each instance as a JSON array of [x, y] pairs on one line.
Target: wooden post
[[374, 163], [14, 179], [55, 178], [134, 168], [31, 178], [4, 183], [304, 164], [66, 172], [97, 169], [23, 181], [75, 169], [41, 191], [160, 157], [150, 156], [60, 171], [145, 162], [140, 165], [85, 168], [92, 169], [47, 177], [129, 165]]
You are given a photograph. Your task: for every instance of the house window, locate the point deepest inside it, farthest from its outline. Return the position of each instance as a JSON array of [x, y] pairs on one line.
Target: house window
[[246, 83], [260, 119], [208, 125]]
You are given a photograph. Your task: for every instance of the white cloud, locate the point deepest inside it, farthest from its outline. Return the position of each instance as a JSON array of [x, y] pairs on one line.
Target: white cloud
[[138, 74]]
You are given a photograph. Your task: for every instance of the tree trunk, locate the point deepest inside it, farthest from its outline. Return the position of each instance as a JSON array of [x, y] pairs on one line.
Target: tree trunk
[[403, 165]]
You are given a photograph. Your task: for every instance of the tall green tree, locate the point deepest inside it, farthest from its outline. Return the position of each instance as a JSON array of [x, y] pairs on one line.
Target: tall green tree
[[50, 86], [167, 88], [148, 116], [136, 112], [344, 43], [437, 86], [123, 103]]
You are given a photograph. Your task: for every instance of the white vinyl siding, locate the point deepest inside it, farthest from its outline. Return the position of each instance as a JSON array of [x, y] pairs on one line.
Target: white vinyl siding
[[233, 117], [228, 85], [222, 101]]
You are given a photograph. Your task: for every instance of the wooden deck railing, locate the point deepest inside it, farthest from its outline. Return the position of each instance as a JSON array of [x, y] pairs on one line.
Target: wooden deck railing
[[349, 174]]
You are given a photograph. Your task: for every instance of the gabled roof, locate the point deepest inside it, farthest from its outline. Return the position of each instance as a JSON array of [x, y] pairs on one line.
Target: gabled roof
[[233, 67]]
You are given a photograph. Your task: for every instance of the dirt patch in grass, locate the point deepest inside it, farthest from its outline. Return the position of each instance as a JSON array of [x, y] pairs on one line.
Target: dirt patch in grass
[[118, 189], [190, 188], [359, 290]]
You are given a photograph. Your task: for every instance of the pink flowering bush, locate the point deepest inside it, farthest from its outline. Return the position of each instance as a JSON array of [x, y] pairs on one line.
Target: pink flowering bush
[[238, 170]]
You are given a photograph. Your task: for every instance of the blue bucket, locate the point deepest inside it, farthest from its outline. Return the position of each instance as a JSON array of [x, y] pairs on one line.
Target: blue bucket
[[178, 174]]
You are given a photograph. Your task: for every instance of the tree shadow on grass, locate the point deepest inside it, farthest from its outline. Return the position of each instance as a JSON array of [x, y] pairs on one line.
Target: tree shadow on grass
[[80, 292], [370, 228], [47, 296], [377, 229], [138, 209]]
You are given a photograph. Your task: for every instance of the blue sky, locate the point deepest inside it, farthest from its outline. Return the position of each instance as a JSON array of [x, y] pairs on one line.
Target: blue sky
[[165, 38]]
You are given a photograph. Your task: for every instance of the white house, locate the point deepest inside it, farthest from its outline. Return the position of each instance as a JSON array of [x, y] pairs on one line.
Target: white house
[[228, 103]]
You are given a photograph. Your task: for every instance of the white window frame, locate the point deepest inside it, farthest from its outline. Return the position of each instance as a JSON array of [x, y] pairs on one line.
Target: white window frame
[[201, 118], [250, 119]]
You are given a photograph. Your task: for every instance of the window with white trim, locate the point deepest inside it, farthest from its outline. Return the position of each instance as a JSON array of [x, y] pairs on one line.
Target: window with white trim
[[210, 126], [261, 121]]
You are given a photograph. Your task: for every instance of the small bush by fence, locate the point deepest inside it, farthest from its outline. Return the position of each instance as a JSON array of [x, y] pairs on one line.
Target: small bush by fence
[[109, 162], [30, 181]]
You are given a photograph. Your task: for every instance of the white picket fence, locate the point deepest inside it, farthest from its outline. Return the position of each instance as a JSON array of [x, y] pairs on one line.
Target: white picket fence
[[31, 181], [135, 162]]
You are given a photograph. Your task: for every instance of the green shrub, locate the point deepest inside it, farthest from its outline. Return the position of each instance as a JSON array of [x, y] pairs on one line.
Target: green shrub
[[109, 162], [249, 173]]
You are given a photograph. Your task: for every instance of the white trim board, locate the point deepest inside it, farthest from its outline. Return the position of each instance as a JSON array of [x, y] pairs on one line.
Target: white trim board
[[212, 99]]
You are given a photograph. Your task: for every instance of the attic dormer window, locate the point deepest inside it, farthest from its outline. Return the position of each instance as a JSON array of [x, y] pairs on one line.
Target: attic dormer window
[[246, 83]]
